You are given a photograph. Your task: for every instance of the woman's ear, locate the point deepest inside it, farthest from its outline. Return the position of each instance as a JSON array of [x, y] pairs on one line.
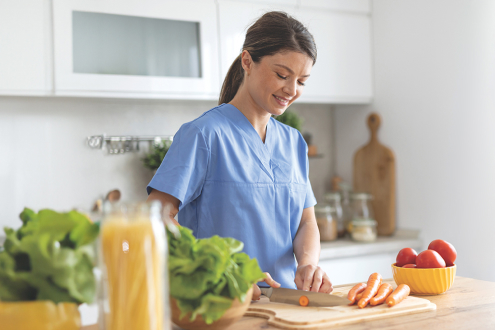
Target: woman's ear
[[246, 62]]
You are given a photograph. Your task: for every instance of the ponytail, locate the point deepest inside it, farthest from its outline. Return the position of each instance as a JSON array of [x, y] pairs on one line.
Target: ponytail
[[232, 81]]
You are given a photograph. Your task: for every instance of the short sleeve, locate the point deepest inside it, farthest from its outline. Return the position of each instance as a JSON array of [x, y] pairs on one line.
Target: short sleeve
[[310, 196], [183, 170]]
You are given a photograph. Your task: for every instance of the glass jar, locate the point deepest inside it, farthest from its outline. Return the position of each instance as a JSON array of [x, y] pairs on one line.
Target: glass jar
[[363, 230], [345, 193], [361, 206], [333, 199], [327, 223], [133, 251]]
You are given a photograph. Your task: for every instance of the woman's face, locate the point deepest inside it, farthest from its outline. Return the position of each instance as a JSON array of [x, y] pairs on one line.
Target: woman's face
[[277, 80]]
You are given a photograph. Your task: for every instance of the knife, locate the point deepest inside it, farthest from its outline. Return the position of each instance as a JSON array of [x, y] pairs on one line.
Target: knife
[[303, 298]]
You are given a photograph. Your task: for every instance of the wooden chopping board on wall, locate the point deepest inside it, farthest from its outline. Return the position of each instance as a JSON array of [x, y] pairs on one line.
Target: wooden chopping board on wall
[[374, 173], [286, 316]]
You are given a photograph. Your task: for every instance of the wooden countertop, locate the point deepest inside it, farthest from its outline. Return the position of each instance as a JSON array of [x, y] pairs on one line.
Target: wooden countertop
[[469, 304]]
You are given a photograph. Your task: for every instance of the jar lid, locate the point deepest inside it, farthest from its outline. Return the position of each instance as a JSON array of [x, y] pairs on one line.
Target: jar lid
[[332, 196], [324, 209], [363, 222], [361, 196]]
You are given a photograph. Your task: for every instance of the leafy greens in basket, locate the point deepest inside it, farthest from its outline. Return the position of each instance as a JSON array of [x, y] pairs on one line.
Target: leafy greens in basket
[[206, 275], [49, 258]]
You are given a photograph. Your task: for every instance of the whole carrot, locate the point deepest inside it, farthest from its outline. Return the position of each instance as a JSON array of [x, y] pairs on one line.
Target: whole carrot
[[358, 296], [374, 283], [398, 295], [383, 292], [358, 288]]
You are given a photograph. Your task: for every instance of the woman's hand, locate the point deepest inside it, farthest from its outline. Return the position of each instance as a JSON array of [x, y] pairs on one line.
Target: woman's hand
[[268, 280], [314, 278]]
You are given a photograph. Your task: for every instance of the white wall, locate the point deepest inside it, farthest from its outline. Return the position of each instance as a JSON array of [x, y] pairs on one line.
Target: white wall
[[45, 162], [434, 68]]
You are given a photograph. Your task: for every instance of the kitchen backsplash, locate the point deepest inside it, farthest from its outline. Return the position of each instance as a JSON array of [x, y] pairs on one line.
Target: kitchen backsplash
[[45, 161]]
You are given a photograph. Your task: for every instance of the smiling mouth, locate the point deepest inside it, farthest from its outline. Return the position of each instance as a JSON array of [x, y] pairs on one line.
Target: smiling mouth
[[281, 100]]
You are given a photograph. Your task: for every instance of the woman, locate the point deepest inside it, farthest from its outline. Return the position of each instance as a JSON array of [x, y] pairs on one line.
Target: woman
[[237, 172]]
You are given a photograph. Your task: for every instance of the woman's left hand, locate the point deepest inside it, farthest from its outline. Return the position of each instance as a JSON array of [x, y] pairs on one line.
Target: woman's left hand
[[310, 277]]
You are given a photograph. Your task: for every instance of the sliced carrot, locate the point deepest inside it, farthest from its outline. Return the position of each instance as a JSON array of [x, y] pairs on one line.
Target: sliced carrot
[[383, 292], [303, 301], [374, 283], [358, 288], [398, 295]]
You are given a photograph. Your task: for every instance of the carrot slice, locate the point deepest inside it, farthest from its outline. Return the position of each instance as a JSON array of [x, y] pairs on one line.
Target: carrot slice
[[358, 288], [303, 301], [374, 283], [398, 295], [383, 292]]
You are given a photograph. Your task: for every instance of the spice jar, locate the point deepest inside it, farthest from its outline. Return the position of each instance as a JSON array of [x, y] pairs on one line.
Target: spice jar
[[133, 255], [327, 223], [333, 199], [363, 230]]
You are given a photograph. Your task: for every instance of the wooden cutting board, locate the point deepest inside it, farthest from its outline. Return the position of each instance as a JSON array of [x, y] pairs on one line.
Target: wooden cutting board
[[374, 173], [287, 316]]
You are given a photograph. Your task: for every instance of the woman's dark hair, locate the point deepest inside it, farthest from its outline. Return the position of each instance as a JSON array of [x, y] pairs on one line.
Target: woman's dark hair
[[272, 33]]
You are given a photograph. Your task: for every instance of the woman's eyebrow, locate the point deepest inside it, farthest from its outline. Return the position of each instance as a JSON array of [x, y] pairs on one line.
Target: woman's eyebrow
[[289, 69]]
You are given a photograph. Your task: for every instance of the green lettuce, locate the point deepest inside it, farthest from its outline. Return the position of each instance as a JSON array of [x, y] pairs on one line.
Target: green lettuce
[[49, 258], [206, 275]]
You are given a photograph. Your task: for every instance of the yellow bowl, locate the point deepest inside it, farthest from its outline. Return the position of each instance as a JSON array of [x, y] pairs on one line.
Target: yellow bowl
[[425, 281]]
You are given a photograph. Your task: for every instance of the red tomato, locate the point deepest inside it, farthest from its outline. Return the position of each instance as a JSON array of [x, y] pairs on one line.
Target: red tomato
[[406, 256], [409, 266], [429, 259], [445, 250]]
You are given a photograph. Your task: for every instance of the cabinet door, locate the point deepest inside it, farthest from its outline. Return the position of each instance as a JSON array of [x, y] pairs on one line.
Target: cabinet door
[[356, 6], [235, 17], [24, 47], [342, 73], [166, 48], [358, 269]]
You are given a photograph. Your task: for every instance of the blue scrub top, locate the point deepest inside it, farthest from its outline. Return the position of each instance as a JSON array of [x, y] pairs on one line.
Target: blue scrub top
[[229, 183]]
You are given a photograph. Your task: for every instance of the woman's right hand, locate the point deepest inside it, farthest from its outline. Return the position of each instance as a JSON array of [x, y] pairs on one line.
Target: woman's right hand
[[268, 280]]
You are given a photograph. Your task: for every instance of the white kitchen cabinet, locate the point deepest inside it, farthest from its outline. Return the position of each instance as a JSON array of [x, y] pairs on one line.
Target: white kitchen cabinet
[[358, 269], [24, 47], [131, 48], [355, 6], [273, 2], [342, 73], [235, 17]]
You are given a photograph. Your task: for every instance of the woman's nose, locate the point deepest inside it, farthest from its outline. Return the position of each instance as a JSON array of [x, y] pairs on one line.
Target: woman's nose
[[290, 88]]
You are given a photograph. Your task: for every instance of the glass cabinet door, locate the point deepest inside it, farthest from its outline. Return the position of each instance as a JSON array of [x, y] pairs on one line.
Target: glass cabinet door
[[136, 48], [131, 45]]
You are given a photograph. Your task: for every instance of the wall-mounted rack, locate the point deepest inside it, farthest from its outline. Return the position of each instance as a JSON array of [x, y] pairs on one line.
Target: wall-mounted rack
[[122, 144]]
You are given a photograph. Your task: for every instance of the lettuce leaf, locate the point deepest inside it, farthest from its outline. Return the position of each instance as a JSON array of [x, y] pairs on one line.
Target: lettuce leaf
[[49, 257], [206, 275]]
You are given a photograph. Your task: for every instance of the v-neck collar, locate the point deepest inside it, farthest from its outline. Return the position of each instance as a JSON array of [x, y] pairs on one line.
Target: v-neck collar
[[261, 149]]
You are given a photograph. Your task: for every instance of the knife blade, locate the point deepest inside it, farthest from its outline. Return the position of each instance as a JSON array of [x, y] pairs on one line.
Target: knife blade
[[314, 299]]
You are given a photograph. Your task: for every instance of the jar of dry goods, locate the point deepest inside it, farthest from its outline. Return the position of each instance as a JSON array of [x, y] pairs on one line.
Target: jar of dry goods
[[327, 222], [333, 199], [363, 230]]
